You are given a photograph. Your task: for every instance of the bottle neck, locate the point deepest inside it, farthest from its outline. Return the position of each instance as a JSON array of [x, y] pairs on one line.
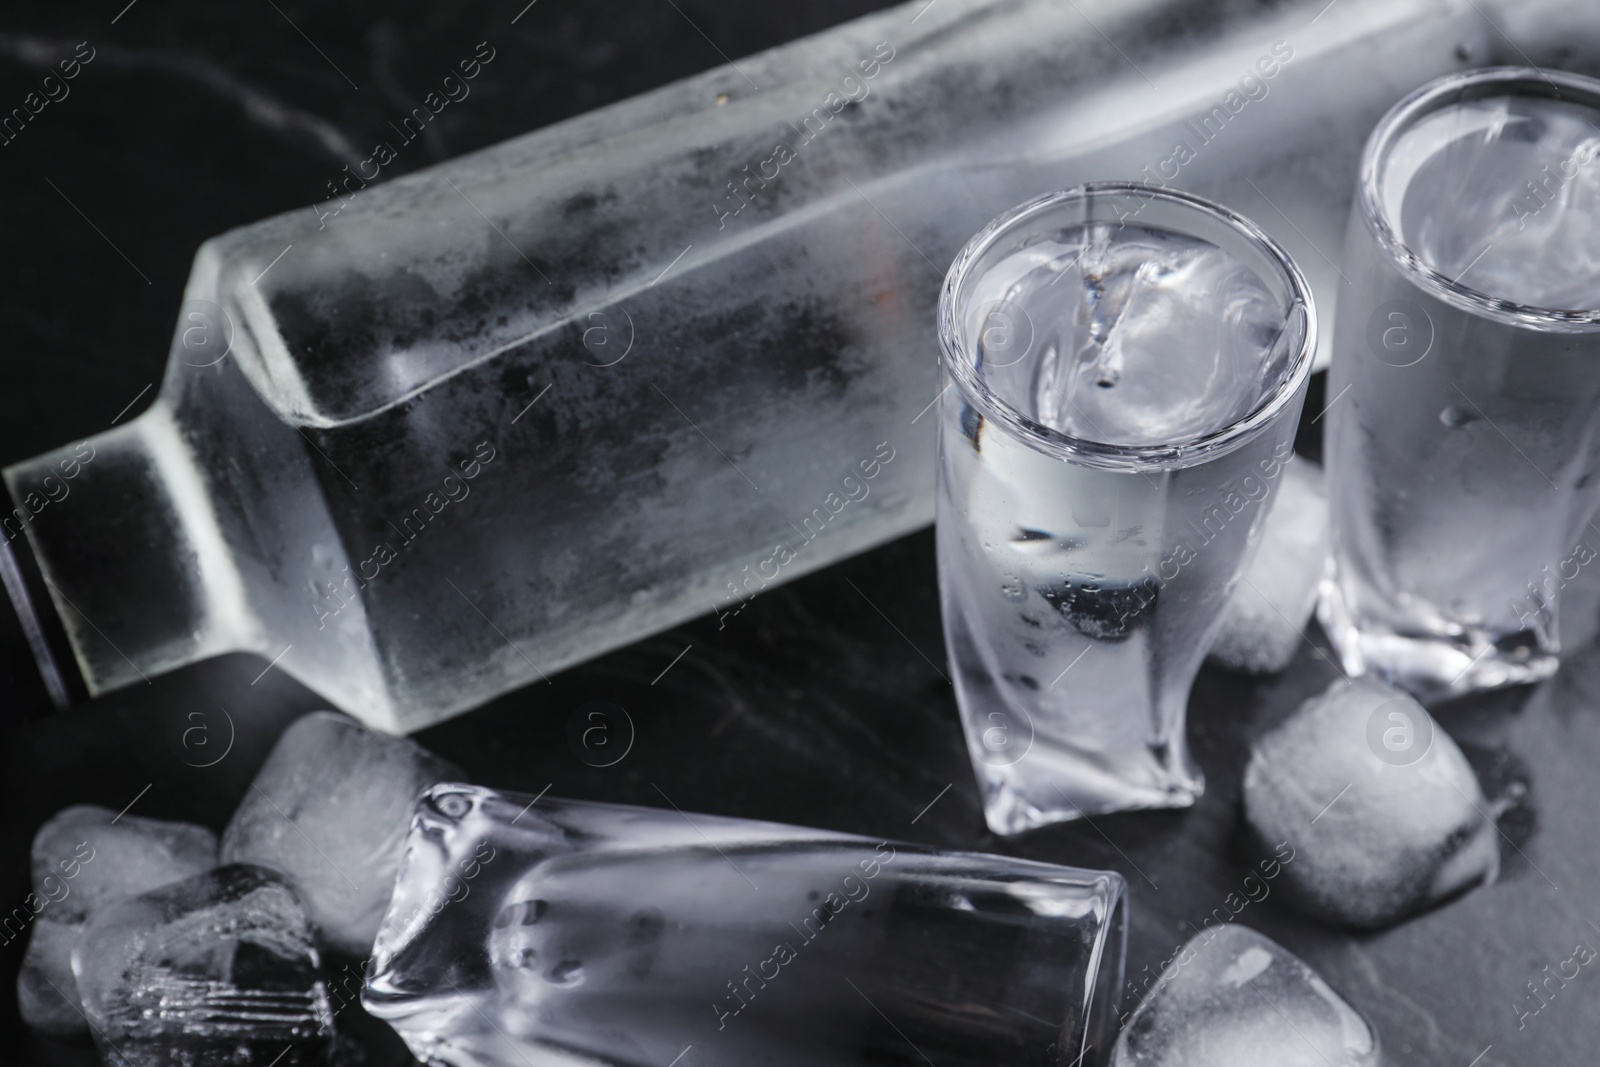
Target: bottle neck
[[113, 561]]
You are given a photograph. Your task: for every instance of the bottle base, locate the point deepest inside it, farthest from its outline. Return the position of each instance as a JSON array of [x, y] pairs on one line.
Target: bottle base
[[1431, 667], [28, 590]]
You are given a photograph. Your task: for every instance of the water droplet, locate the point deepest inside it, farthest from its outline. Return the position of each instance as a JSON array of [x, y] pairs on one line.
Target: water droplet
[[1456, 418], [1011, 588]]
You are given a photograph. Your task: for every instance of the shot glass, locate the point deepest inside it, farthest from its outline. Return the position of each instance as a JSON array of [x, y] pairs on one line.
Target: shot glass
[[1125, 368], [533, 931], [1464, 393]]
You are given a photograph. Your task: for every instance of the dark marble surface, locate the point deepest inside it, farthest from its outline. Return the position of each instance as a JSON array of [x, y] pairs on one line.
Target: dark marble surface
[[809, 706]]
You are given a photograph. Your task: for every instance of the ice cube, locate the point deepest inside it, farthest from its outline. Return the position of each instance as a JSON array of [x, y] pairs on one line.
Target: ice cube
[[1383, 812], [1263, 624], [85, 858], [219, 969], [47, 994], [97, 858], [1233, 998], [329, 810]]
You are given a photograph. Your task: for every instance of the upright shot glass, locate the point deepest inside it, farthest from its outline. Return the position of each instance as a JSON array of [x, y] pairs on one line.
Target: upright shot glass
[[1464, 392], [1125, 369]]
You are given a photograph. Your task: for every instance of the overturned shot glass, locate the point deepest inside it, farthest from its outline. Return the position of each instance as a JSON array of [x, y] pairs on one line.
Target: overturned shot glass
[[528, 931], [1125, 367]]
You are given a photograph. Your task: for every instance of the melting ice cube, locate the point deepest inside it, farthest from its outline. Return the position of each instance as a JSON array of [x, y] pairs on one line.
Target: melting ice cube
[[218, 970], [1262, 626], [85, 858], [329, 810], [47, 994], [1384, 813], [1233, 998], [112, 860]]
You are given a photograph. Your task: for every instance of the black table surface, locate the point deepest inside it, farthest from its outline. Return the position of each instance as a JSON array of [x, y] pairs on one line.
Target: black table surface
[[808, 707]]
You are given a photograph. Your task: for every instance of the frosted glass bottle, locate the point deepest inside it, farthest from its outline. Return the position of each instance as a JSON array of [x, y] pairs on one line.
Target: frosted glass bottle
[[437, 437]]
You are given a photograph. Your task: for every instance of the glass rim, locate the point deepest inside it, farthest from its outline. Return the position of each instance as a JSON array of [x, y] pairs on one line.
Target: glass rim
[[1103, 455], [1423, 101]]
